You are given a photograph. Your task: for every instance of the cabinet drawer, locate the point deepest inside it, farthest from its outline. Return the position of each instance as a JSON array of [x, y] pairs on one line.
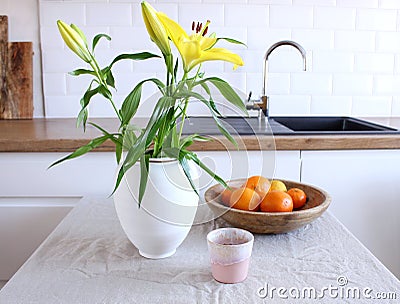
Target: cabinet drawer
[[26, 174]]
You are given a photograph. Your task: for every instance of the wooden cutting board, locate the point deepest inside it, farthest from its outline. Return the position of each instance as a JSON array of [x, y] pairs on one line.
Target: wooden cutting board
[[16, 85]]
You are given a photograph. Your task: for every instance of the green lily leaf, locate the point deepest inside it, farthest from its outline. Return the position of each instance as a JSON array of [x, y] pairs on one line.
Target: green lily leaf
[[189, 140], [131, 102], [186, 169], [85, 100], [97, 38], [78, 72], [84, 149], [105, 92], [135, 56], [230, 40], [110, 79], [144, 174], [227, 91]]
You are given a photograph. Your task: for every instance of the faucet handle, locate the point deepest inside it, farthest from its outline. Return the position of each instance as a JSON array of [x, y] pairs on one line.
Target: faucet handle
[[249, 98]]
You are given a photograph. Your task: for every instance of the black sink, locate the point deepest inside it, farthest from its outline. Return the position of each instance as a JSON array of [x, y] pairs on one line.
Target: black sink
[[288, 125], [331, 125]]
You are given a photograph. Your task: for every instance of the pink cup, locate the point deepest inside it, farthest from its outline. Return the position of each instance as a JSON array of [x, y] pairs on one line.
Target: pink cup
[[230, 252]]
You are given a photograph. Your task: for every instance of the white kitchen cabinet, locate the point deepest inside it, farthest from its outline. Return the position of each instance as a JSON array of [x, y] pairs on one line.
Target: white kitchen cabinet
[[27, 174], [34, 199], [364, 185], [242, 164], [24, 224]]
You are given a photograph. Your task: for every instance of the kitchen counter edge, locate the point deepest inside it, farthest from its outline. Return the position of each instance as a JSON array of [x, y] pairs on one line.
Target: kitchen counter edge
[[62, 135]]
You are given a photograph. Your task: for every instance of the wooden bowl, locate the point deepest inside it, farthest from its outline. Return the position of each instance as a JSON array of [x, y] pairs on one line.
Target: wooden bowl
[[270, 222]]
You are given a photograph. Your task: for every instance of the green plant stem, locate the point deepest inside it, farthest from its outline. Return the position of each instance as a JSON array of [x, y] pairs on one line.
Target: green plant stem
[[99, 75], [190, 87]]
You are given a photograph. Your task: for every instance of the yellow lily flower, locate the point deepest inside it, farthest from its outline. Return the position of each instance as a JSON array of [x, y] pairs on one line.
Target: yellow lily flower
[[73, 39], [196, 48], [155, 28]]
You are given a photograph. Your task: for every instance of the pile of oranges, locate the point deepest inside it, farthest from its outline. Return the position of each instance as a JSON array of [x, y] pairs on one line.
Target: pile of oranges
[[258, 193]]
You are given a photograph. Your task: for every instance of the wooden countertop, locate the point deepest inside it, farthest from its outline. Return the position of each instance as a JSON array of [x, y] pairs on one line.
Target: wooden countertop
[[61, 135]]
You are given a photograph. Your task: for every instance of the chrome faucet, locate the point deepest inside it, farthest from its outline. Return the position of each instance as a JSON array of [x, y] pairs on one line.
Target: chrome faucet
[[262, 105]]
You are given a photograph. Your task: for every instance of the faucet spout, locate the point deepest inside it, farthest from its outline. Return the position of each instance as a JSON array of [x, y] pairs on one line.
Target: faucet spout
[[263, 104], [271, 49]]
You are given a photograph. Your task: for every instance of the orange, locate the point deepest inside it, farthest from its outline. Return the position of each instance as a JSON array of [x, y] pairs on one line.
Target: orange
[[277, 201], [226, 196], [298, 196], [245, 199], [259, 184]]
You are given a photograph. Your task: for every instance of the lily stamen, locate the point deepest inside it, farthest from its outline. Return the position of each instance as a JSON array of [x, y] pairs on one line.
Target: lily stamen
[[199, 26], [205, 29]]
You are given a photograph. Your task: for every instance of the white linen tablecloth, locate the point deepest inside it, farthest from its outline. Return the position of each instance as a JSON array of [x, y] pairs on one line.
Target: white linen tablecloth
[[88, 259]]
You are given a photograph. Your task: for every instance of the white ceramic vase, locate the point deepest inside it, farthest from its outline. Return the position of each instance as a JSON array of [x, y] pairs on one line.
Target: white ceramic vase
[[167, 209]]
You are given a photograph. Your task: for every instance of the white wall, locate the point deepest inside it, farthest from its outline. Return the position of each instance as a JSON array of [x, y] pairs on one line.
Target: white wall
[[353, 51], [23, 25]]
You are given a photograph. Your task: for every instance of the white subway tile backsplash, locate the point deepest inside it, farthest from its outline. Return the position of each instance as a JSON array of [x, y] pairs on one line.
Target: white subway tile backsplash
[[353, 53], [388, 42], [62, 106], [331, 105], [291, 105], [311, 83], [349, 84], [134, 38], [357, 3], [371, 106], [389, 4], [291, 16], [77, 85], [277, 84], [313, 2], [280, 2], [68, 12], [249, 15], [261, 38], [374, 62], [254, 84], [314, 39], [253, 61], [201, 13], [100, 107], [376, 19], [119, 14], [397, 63], [355, 40], [334, 18], [54, 84], [51, 38], [396, 106], [60, 61], [387, 85], [286, 59], [333, 61]]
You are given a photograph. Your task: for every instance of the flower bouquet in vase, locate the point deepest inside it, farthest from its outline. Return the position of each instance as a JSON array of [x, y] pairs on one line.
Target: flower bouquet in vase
[[155, 192]]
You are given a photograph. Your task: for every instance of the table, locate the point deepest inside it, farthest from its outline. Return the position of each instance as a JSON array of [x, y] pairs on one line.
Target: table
[[88, 259]]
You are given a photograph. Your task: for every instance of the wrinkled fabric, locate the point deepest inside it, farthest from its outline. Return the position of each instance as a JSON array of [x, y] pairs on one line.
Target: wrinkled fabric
[[88, 259]]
